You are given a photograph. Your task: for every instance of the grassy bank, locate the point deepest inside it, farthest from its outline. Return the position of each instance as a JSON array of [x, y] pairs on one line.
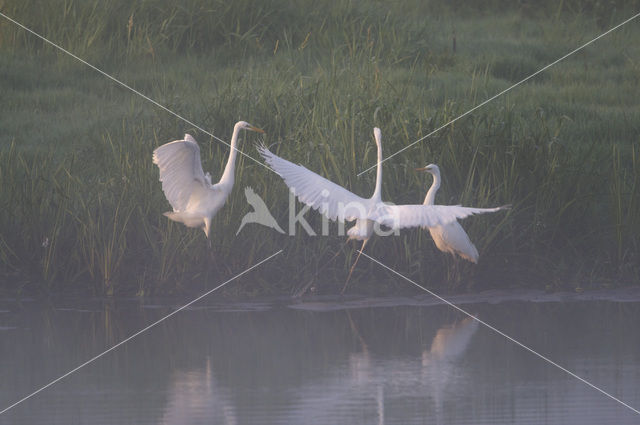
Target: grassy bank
[[82, 205]]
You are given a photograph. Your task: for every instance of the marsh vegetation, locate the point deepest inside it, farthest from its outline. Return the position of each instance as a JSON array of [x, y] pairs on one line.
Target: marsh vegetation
[[82, 205]]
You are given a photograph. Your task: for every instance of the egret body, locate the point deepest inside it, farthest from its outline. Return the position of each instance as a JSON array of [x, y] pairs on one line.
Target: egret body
[[449, 237], [194, 199], [337, 203]]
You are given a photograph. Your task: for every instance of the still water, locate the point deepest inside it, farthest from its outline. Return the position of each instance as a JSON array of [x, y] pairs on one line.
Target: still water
[[327, 361]]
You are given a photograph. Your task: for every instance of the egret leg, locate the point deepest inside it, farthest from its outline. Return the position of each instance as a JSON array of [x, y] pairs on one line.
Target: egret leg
[[212, 254], [454, 270], [354, 266]]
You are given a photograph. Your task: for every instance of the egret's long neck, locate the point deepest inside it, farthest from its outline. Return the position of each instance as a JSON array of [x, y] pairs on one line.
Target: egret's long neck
[[377, 193], [229, 169], [431, 194]]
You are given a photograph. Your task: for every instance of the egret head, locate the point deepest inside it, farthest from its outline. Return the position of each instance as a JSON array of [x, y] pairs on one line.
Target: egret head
[[243, 125], [377, 134], [431, 169]]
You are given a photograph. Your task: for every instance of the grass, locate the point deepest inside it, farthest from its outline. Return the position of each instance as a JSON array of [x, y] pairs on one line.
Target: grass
[[81, 201]]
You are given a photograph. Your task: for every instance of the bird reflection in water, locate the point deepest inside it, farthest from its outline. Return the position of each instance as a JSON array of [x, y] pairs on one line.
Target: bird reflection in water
[[440, 366], [195, 396], [369, 386]]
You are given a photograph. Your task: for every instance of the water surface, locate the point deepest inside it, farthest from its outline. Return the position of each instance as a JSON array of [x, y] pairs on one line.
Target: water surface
[[341, 360]]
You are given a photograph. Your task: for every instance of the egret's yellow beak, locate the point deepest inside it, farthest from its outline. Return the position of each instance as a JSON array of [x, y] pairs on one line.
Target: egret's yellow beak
[[259, 130], [421, 169]]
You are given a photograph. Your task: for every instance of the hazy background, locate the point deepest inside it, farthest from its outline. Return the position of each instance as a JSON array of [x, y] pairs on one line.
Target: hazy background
[[82, 205]]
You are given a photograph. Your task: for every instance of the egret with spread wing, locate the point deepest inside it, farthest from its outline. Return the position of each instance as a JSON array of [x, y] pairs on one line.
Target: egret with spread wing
[[330, 199], [337, 203], [188, 189], [448, 235]]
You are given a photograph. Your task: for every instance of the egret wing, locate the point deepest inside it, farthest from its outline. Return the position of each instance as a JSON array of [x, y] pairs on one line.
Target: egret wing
[[180, 170], [330, 199], [419, 215]]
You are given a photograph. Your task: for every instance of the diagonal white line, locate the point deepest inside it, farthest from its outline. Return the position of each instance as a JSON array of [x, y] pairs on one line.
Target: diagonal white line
[[130, 88], [504, 91], [136, 334], [503, 334]]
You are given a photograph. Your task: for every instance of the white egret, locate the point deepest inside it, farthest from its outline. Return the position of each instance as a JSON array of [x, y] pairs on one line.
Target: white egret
[[188, 189], [441, 220], [337, 203], [330, 199], [450, 237]]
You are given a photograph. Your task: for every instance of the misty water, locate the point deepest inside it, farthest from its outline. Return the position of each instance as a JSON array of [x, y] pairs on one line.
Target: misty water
[[323, 360]]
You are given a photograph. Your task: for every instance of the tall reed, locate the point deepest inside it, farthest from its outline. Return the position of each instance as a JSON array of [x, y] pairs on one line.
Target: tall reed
[[82, 205]]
